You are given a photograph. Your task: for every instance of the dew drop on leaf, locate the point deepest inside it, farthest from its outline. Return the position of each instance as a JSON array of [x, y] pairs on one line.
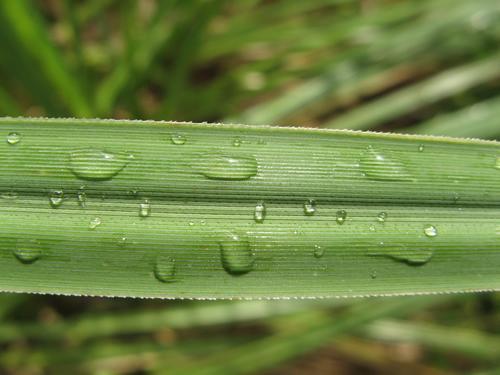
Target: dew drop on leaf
[[178, 139], [164, 269], [382, 166], [94, 223], [27, 251], [309, 207], [56, 198], [381, 217], [13, 138], [319, 251], [145, 209], [92, 164], [226, 167], [236, 255], [430, 231], [341, 217], [260, 212]]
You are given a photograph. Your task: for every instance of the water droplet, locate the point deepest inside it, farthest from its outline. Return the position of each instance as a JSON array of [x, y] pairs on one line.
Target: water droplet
[[341, 216], [371, 228], [13, 138], [27, 251], [11, 195], [378, 165], [191, 223], [224, 167], [145, 209], [421, 148], [260, 212], [91, 164], [497, 164], [373, 275], [235, 254], [381, 217], [164, 269], [81, 196], [401, 253], [56, 198], [430, 231], [310, 207], [178, 139], [318, 251], [237, 142], [122, 241], [95, 222]]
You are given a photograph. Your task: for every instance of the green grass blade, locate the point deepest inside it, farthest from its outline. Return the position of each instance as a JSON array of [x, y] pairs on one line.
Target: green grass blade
[[479, 120], [204, 211], [32, 35], [442, 86]]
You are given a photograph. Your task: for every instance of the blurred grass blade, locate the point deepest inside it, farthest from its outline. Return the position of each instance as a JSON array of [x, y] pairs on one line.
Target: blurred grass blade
[[479, 120], [444, 85], [182, 210]]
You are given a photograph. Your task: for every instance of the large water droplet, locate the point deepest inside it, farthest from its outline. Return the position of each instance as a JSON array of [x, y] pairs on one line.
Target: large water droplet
[[94, 223], [224, 167], [92, 164], [309, 207], [13, 138], [56, 198], [164, 269], [341, 217], [260, 212], [430, 231], [178, 139], [378, 165], [236, 255], [145, 209], [381, 217], [400, 252], [318, 251], [27, 251]]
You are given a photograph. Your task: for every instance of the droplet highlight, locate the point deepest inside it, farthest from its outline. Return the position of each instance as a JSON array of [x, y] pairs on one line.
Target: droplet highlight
[[227, 167], [341, 217], [56, 198], [236, 255], [164, 269], [93, 164], [94, 223], [383, 166], [178, 139], [260, 212], [145, 209], [13, 138], [309, 207], [27, 251], [430, 231]]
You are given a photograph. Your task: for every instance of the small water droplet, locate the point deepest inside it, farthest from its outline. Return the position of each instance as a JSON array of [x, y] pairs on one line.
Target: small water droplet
[[95, 222], [191, 223], [122, 241], [384, 166], [373, 275], [164, 269], [27, 251], [341, 216], [11, 195], [421, 148], [56, 198], [310, 207], [224, 167], [145, 209], [381, 217], [81, 197], [13, 138], [178, 139], [92, 164], [371, 228], [430, 231], [235, 254], [260, 212], [237, 142], [318, 251]]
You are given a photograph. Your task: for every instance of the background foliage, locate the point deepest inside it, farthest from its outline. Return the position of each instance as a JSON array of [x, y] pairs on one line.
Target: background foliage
[[421, 66]]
